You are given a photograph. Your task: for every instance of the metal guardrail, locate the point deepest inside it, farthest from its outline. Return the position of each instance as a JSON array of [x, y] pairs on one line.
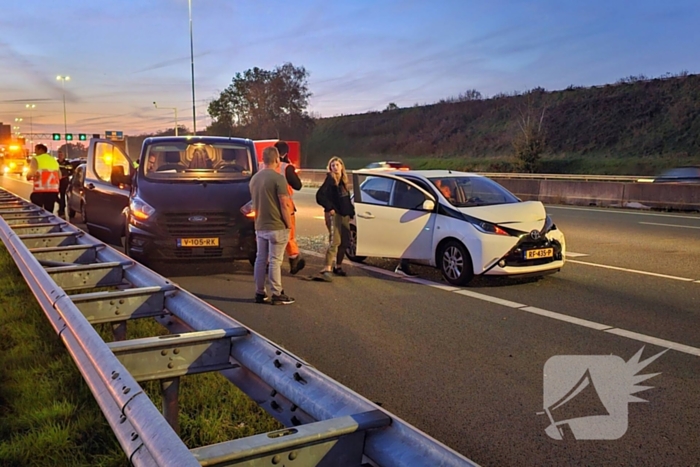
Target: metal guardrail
[[327, 423], [573, 177]]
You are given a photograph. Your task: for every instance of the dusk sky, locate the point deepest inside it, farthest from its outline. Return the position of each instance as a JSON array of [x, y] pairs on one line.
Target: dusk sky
[[361, 54]]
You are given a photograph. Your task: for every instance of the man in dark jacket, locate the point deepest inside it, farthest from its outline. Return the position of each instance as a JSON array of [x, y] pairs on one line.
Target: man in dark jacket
[[296, 262], [66, 169]]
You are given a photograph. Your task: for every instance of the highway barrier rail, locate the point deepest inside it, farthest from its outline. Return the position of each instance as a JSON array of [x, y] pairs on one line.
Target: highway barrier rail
[[326, 423], [583, 190]]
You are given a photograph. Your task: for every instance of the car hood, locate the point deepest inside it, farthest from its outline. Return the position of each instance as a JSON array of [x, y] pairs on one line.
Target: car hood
[[525, 216]]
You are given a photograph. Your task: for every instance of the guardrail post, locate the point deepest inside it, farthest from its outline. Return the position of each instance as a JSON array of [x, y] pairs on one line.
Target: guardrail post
[[170, 389], [119, 331]]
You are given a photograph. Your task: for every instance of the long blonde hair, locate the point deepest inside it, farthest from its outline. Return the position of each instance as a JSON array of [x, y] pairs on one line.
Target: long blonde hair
[[343, 176]]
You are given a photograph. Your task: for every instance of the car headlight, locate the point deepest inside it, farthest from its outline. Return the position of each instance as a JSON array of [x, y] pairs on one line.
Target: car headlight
[[487, 227], [548, 225], [140, 209]]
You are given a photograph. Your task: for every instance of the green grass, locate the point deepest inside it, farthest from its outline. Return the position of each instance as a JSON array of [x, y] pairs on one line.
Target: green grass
[[48, 415]]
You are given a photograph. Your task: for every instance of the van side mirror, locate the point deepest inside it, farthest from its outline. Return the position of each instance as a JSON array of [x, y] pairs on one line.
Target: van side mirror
[[428, 205], [119, 178]]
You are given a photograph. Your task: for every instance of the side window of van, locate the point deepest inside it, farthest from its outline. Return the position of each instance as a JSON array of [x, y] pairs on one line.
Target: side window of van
[[106, 157]]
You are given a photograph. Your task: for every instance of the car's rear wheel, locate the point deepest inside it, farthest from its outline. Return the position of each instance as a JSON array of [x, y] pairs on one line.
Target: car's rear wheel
[[351, 250], [455, 263]]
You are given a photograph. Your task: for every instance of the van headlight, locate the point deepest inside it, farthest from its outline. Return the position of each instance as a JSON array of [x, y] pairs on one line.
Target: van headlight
[[140, 209]]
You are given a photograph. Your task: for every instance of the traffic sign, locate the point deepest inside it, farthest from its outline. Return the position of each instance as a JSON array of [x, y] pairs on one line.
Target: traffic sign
[[114, 135]]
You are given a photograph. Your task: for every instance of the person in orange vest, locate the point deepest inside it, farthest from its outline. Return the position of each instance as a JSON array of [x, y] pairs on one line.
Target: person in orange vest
[[296, 262], [46, 174]]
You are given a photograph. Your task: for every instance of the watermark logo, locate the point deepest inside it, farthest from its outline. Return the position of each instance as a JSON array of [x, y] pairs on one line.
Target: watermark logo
[[586, 396]]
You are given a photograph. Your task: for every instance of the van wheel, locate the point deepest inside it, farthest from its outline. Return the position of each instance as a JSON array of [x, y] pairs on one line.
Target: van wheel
[[455, 263], [352, 248]]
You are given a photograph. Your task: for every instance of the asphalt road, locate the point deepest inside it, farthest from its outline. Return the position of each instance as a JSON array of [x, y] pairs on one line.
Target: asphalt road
[[467, 365]]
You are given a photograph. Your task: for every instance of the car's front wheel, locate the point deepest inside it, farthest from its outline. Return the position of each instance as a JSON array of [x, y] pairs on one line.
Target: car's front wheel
[[351, 250], [455, 263]]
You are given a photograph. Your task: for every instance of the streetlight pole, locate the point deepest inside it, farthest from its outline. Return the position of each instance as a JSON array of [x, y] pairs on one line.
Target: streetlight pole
[[31, 108], [168, 108], [194, 112], [63, 80]]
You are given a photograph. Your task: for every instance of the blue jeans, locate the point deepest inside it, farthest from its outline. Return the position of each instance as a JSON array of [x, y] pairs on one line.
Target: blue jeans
[[271, 245]]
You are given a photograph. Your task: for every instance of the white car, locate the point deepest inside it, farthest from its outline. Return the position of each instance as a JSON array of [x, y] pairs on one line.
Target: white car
[[462, 223]]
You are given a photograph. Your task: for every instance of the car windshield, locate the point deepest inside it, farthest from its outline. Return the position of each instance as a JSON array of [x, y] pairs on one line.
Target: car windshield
[[196, 161], [468, 191]]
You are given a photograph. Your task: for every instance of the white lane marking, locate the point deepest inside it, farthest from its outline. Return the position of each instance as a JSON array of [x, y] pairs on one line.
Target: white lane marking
[[671, 225], [571, 254], [566, 318], [617, 211], [635, 271], [489, 298], [531, 309], [655, 341]]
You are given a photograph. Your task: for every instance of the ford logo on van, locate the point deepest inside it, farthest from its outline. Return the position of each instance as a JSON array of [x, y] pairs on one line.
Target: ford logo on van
[[197, 219]]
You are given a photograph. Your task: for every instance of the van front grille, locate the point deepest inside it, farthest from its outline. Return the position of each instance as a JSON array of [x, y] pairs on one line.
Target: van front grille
[[204, 224]]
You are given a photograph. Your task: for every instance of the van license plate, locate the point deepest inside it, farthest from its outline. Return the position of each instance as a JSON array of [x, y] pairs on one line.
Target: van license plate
[[540, 253], [197, 242]]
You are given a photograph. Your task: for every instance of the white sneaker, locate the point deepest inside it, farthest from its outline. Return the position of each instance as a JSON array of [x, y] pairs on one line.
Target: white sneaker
[[407, 273]]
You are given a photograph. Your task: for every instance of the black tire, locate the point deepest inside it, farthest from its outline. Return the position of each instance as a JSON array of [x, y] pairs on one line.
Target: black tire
[[455, 263], [127, 248], [82, 213], [350, 250]]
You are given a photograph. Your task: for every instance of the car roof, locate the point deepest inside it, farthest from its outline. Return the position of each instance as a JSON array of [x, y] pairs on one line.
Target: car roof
[[196, 139], [437, 173]]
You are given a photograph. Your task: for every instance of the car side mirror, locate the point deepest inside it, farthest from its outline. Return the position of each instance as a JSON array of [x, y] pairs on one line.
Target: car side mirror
[[119, 178], [428, 205]]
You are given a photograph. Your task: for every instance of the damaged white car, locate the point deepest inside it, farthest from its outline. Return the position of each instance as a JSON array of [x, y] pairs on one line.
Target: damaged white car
[[462, 223]]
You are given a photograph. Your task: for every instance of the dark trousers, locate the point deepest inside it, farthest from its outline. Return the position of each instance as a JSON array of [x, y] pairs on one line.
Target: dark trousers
[[62, 187], [44, 200]]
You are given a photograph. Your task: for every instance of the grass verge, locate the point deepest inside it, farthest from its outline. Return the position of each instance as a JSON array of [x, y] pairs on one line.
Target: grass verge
[[48, 415]]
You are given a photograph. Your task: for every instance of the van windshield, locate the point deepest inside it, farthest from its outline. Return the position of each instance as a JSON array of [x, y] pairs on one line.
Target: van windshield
[[196, 161]]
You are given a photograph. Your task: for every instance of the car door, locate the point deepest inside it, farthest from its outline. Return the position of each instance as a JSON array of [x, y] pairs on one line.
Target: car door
[[75, 191], [105, 202], [392, 217]]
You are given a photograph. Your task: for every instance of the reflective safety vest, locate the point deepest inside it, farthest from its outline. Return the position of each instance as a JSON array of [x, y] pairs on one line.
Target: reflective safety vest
[[282, 170], [48, 174]]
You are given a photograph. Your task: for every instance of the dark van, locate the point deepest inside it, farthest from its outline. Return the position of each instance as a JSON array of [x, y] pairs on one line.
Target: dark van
[[181, 201]]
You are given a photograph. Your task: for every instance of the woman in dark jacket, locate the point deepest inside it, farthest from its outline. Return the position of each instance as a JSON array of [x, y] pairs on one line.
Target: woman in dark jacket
[[334, 196]]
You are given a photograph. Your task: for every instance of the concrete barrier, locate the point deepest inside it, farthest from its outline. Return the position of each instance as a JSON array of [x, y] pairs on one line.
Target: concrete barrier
[[665, 196], [677, 196]]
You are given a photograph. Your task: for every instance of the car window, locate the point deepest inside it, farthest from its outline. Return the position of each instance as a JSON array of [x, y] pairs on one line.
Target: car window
[[407, 196], [108, 156], [376, 190], [78, 176], [681, 172], [473, 191]]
